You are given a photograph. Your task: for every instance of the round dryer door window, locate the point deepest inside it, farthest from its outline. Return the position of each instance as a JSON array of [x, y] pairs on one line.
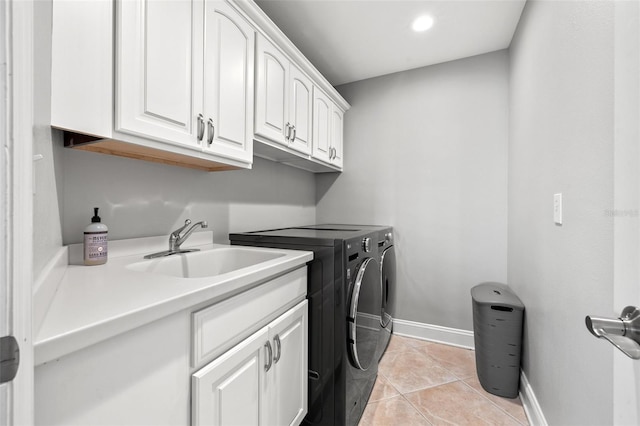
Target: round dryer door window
[[364, 314]]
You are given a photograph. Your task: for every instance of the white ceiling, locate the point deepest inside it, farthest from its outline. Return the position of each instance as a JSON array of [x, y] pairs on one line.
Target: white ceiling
[[351, 40]]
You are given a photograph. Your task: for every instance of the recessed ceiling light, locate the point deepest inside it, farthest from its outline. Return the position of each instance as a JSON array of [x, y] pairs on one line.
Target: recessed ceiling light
[[422, 23]]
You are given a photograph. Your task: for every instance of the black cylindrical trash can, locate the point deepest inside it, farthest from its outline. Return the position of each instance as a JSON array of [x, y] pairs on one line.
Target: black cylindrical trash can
[[497, 333]]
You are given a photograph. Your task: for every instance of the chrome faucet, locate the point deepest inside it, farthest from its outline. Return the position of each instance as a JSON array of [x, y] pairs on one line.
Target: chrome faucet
[[176, 240]]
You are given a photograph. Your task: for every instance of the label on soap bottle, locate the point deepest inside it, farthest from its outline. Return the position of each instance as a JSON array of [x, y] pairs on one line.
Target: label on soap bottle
[[95, 247]]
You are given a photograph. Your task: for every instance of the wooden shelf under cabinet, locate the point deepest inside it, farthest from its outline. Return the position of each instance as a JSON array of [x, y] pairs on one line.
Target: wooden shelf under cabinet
[[138, 152]]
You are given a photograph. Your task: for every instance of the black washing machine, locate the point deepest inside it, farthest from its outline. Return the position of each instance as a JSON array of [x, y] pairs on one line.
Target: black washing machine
[[388, 281], [387, 261], [345, 325]]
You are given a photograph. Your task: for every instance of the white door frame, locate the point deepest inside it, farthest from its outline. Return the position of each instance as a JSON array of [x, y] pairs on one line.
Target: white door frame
[[626, 286], [16, 282]]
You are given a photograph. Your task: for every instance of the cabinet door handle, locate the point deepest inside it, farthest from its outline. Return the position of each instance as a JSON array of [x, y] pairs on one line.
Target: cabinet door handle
[[293, 138], [211, 130], [287, 132], [276, 341], [269, 363], [332, 153], [200, 127]]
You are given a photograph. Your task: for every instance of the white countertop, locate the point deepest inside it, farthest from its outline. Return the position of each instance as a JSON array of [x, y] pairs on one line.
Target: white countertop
[[94, 303]]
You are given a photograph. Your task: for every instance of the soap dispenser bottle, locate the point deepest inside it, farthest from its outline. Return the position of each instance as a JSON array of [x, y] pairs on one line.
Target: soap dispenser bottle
[[95, 241]]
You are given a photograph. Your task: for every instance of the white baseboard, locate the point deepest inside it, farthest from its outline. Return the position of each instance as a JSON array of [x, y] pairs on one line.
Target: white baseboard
[[434, 333], [530, 403]]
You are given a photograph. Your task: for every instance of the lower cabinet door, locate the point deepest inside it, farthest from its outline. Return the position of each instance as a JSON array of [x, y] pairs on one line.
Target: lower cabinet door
[[288, 396], [231, 390], [260, 381]]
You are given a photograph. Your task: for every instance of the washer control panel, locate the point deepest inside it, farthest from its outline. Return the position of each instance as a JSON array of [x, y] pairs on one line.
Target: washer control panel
[[366, 244]]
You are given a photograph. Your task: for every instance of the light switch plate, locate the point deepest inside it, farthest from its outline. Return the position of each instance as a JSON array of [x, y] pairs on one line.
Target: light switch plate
[[557, 209]]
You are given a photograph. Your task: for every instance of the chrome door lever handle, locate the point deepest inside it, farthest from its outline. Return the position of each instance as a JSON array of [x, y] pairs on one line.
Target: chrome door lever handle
[[622, 332]]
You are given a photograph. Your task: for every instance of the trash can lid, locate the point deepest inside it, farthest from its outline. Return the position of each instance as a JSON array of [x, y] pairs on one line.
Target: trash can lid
[[491, 293]]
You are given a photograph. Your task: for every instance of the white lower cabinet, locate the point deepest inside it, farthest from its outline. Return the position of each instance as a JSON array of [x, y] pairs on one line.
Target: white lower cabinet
[[140, 377], [202, 365], [261, 380], [230, 390]]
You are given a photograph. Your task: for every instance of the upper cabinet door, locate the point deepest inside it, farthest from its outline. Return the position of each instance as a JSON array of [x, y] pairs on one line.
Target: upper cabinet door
[[300, 110], [154, 70], [228, 82], [322, 107], [271, 92], [337, 125]]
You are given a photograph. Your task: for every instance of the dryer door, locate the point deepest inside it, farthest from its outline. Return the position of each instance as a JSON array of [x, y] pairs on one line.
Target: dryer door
[[388, 278], [364, 314]]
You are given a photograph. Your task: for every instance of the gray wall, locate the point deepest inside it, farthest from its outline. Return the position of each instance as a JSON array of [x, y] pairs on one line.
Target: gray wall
[[426, 152], [561, 140], [139, 198]]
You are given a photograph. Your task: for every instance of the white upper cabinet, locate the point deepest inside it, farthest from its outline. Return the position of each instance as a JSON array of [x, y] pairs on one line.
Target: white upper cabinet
[[156, 57], [296, 122], [185, 75], [322, 108], [272, 83], [228, 82], [300, 110], [337, 131], [189, 83], [283, 99], [327, 129]]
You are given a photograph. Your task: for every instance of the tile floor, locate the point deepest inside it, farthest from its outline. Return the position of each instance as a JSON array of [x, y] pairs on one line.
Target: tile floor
[[424, 383]]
